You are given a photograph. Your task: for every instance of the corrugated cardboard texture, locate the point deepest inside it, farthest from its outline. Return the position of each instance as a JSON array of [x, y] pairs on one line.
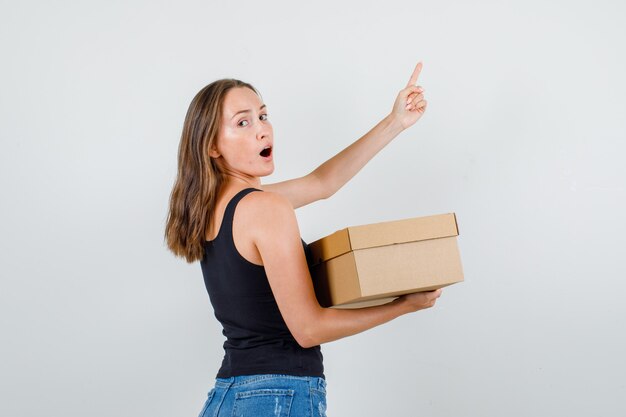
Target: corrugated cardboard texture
[[387, 271], [384, 233], [330, 246], [373, 264], [401, 231], [414, 265], [366, 303], [342, 266]]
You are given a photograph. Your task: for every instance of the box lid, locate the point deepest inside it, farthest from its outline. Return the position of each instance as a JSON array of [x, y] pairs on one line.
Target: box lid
[[382, 234]]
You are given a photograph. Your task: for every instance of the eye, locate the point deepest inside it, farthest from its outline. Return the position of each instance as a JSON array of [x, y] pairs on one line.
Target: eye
[[239, 124], [266, 116]]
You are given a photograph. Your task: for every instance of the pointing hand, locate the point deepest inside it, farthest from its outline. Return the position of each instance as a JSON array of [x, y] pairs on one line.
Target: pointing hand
[[410, 104]]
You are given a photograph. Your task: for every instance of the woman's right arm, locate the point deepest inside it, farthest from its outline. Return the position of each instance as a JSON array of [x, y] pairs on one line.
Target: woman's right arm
[[276, 235]]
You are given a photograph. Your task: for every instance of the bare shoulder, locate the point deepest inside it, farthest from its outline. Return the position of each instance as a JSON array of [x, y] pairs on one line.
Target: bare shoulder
[[268, 213], [266, 202]]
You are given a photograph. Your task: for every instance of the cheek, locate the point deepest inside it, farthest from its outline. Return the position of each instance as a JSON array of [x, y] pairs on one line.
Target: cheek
[[227, 144], [237, 154]]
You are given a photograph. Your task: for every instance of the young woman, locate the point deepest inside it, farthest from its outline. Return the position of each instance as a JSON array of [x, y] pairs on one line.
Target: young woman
[[246, 237]]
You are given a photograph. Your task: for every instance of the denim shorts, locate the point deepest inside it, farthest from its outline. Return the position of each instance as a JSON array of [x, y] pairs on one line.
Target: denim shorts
[[266, 395]]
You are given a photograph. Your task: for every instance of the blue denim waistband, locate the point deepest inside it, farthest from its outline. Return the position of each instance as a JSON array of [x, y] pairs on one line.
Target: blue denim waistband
[[314, 381]]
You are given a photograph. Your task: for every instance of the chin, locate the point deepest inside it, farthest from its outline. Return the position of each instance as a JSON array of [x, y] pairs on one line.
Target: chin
[[267, 173], [264, 173]]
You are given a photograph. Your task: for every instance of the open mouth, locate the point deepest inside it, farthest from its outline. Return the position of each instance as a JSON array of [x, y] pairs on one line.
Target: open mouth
[[266, 152]]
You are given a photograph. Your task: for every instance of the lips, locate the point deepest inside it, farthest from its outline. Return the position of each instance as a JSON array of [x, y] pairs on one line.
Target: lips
[[266, 152]]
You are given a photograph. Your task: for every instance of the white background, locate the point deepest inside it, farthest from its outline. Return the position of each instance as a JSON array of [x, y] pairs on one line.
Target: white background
[[524, 139]]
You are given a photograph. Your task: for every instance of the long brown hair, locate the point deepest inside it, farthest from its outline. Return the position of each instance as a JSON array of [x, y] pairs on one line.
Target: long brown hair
[[199, 178]]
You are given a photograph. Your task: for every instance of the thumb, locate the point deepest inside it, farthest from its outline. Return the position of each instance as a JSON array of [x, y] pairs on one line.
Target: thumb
[[405, 92]]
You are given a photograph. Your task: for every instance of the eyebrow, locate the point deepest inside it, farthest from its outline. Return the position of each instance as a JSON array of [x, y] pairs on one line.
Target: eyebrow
[[245, 111]]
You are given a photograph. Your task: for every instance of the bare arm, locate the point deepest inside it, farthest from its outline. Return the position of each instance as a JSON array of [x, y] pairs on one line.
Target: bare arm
[[329, 177], [277, 239], [333, 174]]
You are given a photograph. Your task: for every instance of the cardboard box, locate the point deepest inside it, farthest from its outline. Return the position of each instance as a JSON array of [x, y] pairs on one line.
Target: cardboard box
[[373, 264]]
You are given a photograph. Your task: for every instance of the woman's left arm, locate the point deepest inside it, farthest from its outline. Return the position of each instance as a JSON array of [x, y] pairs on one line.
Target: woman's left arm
[[333, 174]]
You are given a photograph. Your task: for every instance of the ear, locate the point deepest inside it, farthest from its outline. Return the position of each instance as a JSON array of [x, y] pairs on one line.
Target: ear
[[213, 153]]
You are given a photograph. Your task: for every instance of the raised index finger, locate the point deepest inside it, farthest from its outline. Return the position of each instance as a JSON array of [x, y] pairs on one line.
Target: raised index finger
[[416, 73]]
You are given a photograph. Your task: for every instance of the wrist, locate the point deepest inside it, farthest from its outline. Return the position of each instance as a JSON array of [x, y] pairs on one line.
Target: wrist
[[401, 306], [393, 124]]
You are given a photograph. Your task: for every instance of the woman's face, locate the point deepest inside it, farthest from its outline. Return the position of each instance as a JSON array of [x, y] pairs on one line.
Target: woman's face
[[244, 134]]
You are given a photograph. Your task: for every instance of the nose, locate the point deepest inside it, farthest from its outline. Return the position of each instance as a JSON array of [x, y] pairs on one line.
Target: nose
[[264, 130]]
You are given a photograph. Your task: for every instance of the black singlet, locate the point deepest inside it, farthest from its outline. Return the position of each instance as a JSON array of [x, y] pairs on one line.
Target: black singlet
[[257, 338]]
